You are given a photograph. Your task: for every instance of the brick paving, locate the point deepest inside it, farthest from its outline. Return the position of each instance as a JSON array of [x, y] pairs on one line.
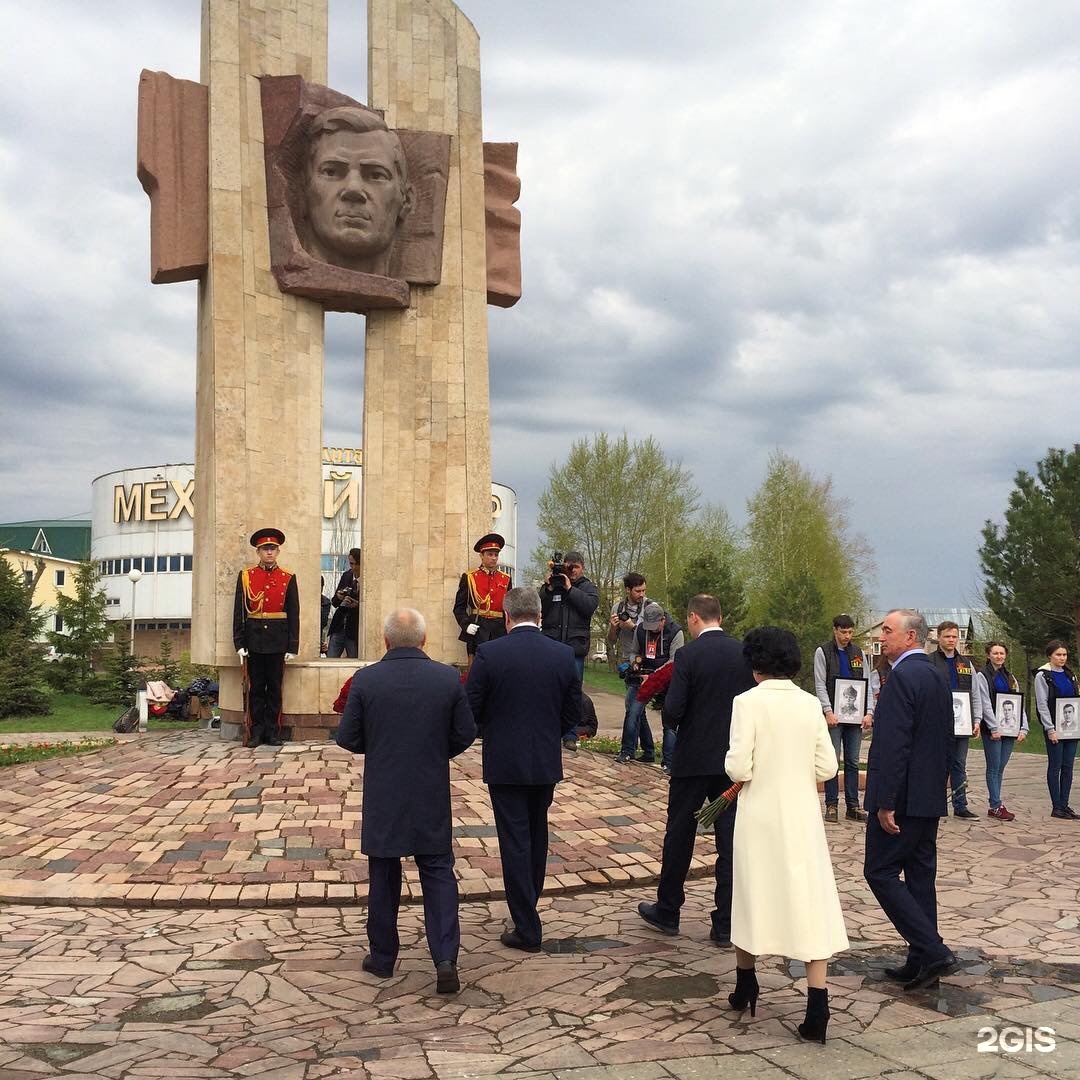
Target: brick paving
[[224, 982], [184, 818]]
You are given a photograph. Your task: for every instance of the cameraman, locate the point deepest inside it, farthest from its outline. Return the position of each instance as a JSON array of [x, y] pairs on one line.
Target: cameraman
[[344, 630], [567, 602]]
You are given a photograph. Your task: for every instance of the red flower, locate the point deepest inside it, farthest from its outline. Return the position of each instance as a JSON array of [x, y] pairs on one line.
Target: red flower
[[656, 683]]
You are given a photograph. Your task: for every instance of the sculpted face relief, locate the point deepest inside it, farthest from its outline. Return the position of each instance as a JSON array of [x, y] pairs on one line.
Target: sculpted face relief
[[357, 191]]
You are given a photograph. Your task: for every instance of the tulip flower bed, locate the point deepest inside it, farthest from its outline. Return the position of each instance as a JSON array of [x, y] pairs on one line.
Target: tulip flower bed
[[11, 754]]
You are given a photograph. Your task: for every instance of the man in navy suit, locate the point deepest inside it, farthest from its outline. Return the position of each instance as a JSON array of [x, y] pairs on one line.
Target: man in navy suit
[[525, 694], [905, 797], [408, 716], [707, 675]]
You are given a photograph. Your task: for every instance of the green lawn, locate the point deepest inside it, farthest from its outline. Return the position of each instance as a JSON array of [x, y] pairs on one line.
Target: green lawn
[[72, 712], [598, 677]]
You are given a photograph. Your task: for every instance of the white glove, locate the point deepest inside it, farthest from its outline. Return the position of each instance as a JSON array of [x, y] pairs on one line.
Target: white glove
[[290, 656], [242, 653], [472, 628]]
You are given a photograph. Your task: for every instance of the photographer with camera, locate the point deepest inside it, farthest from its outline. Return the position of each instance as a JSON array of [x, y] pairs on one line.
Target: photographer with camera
[[657, 639], [567, 601], [625, 619], [344, 632]]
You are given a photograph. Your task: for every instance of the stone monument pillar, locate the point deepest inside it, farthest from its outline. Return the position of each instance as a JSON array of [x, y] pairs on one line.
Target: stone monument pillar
[[427, 458], [259, 384]]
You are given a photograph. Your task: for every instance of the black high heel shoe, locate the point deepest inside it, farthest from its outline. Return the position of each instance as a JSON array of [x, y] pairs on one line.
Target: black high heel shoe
[[813, 1028], [746, 990]]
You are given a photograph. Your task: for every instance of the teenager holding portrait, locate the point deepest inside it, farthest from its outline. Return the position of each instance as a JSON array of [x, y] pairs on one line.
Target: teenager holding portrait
[[1003, 723], [1055, 685]]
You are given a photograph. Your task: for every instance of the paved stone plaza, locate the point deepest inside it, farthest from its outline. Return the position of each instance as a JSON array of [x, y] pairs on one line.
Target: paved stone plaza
[[188, 908]]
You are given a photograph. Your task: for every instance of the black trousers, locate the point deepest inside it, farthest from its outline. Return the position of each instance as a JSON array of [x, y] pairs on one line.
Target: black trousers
[[521, 825], [686, 794], [911, 904], [440, 890], [265, 672]]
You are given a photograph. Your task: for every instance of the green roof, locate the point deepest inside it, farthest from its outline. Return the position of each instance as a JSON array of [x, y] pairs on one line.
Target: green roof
[[63, 539]]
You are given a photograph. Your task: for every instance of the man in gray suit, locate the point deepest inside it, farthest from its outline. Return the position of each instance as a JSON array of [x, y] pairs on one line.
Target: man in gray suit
[[408, 716]]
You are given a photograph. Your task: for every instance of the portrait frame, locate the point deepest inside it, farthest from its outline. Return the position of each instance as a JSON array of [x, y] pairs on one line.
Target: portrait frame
[[962, 722], [841, 689], [1008, 729], [1067, 725]]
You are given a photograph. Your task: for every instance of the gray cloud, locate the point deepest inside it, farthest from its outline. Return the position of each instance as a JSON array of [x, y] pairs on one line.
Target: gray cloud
[[847, 231]]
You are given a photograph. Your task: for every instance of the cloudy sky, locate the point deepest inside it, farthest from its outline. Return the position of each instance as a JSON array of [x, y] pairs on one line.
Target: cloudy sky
[[849, 230]]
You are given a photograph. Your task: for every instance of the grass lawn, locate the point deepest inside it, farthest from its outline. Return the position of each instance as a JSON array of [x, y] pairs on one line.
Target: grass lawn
[[598, 677], [72, 712]]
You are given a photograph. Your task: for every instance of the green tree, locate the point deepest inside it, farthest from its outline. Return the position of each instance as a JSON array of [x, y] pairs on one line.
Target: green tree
[[710, 572], [165, 668], [796, 604], [620, 503], [22, 664], [799, 527], [1031, 564], [86, 629], [122, 679]]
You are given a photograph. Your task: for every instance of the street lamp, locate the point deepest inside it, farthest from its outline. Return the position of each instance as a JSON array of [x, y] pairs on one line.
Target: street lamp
[[133, 576]]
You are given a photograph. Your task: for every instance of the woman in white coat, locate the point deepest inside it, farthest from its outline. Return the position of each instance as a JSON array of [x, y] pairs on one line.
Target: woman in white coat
[[784, 900]]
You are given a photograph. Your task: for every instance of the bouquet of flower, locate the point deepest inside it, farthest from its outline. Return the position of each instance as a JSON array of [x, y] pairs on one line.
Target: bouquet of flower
[[712, 810], [655, 686]]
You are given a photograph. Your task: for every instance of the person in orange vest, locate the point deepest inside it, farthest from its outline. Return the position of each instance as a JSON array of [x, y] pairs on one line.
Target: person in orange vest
[[266, 633], [478, 605]]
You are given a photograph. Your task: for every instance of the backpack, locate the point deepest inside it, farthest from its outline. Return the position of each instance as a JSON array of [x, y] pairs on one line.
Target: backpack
[[127, 722]]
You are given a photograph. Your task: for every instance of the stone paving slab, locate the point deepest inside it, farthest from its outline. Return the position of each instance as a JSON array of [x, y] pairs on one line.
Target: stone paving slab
[[279, 992]]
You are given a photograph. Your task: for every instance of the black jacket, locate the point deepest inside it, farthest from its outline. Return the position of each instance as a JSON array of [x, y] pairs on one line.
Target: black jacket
[[408, 716], [525, 695], [569, 619], [708, 673], [345, 619], [913, 730]]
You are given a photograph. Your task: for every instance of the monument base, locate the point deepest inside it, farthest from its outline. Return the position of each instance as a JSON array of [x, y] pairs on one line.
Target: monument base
[[308, 693]]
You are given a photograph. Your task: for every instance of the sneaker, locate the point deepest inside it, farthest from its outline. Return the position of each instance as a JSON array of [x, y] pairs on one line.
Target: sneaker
[[665, 769], [1071, 813], [647, 759], [570, 744], [623, 759], [965, 813], [1001, 813], [831, 813], [855, 814], [1059, 814]]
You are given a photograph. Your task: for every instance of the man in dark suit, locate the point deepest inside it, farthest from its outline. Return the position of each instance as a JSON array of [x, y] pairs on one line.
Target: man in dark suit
[[408, 716], [706, 677], [905, 797], [525, 693]]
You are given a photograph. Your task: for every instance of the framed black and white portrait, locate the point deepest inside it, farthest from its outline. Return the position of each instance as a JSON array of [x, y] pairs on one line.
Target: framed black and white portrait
[[1067, 718], [849, 700], [961, 713], [1007, 711]]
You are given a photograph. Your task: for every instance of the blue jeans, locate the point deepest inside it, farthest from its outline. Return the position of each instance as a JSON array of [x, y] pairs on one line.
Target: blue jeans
[[580, 662], [958, 771], [636, 726], [668, 747], [851, 737], [1059, 771], [997, 753]]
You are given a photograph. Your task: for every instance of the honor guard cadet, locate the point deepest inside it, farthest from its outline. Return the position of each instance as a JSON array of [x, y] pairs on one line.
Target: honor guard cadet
[[266, 633], [478, 606]]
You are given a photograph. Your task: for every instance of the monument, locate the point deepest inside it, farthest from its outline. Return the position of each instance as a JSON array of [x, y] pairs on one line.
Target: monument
[[285, 198]]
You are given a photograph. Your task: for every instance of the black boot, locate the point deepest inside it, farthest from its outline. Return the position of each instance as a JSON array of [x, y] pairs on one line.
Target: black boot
[[746, 990], [813, 1028]]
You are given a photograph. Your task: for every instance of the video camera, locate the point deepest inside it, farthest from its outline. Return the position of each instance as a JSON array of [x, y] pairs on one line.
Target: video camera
[[558, 568]]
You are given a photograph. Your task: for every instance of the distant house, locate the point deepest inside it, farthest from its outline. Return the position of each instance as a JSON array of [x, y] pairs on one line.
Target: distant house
[[55, 547], [970, 621]]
